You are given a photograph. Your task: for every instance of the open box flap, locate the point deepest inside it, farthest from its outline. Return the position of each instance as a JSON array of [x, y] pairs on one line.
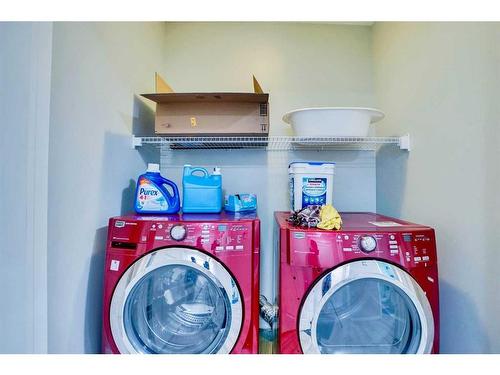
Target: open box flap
[[165, 94]]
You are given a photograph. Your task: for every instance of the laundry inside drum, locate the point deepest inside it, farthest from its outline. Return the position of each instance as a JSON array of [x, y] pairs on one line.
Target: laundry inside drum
[[177, 309]]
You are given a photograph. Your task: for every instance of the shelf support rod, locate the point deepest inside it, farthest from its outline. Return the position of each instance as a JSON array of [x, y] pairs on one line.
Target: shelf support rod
[[404, 142]]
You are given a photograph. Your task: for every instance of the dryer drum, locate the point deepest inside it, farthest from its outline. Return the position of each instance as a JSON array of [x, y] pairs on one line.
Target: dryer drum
[[366, 307]]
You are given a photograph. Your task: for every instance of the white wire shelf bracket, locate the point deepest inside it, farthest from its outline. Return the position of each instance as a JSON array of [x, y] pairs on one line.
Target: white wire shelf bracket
[[272, 143]]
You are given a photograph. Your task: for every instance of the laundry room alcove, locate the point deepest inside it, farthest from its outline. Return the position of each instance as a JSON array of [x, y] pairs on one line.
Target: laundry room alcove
[[432, 81]]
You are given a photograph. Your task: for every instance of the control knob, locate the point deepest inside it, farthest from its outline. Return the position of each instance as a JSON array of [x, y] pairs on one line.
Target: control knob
[[367, 244], [178, 232]]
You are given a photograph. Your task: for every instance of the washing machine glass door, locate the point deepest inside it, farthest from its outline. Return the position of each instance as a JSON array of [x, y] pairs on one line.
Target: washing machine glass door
[[366, 307], [176, 300]]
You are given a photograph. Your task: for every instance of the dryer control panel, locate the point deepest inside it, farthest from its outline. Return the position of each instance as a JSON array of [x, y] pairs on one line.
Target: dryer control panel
[[326, 249], [419, 248]]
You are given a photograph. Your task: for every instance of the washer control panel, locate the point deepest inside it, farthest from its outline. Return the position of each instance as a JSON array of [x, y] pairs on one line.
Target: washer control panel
[[211, 236]]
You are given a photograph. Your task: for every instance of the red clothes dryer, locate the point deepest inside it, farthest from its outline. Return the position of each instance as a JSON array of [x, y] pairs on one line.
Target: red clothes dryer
[[371, 287], [182, 284]]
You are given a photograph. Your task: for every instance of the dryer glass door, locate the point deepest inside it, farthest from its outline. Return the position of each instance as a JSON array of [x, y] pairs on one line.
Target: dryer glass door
[[176, 301], [366, 307]]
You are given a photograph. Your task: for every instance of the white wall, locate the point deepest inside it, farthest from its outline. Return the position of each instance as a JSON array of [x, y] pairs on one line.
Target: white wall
[[299, 65], [25, 58], [441, 83], [97, 70]]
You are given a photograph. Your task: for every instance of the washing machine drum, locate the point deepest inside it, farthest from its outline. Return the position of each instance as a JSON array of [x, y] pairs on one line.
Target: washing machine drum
[[366, 307], [176, 300]]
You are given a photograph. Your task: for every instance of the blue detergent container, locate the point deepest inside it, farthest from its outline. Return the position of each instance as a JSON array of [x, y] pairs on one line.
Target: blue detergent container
[[201, 192], [152, 195]]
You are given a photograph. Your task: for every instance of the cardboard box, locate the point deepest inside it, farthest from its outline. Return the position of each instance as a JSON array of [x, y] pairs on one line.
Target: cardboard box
[[210, 114]]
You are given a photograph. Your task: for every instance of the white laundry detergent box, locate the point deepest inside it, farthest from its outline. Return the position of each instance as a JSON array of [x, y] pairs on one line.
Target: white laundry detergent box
[[311, 183]]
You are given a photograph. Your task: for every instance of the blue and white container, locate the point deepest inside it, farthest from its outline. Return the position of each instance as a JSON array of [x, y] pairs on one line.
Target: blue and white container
[[201, 191], [240, 203], [152, 195], [311, 183]]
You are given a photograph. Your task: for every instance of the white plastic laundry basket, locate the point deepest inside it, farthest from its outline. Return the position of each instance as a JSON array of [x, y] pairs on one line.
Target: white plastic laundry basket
[[332, 121]]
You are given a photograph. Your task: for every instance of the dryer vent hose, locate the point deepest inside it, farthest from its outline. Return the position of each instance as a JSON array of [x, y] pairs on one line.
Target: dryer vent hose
[[268, 311]]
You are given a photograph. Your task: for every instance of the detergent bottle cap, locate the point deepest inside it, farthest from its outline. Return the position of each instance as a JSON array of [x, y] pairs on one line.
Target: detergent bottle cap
[[154, 168], [217, 171]]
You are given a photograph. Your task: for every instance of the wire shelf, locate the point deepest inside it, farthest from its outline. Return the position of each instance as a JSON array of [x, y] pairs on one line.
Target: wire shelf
[[272, 143]]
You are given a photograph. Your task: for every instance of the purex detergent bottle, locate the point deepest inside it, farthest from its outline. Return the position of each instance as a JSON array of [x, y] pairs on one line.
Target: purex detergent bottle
[[152, 196]]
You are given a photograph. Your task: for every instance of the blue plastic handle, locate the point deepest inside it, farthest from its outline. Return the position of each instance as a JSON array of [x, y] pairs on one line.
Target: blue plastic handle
[[173, 186], [199, 169]]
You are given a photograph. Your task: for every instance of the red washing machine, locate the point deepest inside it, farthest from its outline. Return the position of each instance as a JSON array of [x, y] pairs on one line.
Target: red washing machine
[[371, 287], [182, 284]]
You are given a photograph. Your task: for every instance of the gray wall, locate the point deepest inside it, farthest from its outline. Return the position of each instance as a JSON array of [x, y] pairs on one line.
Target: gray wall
[[441, 83], [98, 68], [25, 53]]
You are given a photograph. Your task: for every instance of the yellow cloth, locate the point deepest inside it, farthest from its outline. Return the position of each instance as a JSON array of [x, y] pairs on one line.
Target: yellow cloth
[[329, 218]]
